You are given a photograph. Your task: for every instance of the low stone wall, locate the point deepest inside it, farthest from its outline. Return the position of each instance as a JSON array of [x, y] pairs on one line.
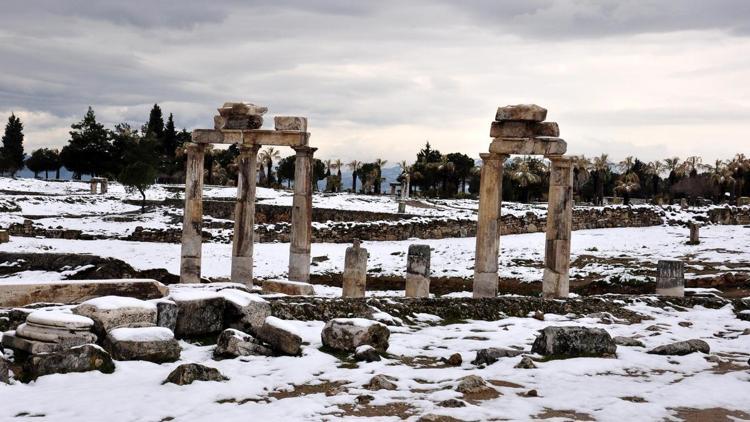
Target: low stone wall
[[730, 215]]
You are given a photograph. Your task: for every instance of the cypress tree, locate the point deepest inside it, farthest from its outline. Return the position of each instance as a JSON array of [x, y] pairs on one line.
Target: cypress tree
[[12, 149], [169, 141], [89, 150], [155, 125]]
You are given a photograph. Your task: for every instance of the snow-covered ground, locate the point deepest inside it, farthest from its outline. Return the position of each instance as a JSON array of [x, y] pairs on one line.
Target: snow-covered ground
[[620, 253], [633, 386]]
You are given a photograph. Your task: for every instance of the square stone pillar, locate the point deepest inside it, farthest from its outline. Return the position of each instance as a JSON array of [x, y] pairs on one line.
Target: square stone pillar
[[670, 278], [190, 263], [301, 235], [488, 225], [559, 224], [418, 271], [354, 282], [244, 216]]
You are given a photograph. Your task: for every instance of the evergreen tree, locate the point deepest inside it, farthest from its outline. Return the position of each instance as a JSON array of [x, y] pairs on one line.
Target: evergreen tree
[[89, 150], [11, 153], [140, 168], [169, 140], [35, 162], [155, 125]]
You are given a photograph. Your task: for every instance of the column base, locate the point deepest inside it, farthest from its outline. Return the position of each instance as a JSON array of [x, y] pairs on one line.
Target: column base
[[485, 285], [671, 292], [417, 286], [190, 269], [299, 267], [242, 270], [555, 285]]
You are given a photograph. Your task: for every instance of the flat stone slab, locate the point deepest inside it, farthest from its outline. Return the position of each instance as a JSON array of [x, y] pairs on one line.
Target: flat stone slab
[[77, 291], [60, 336], [529, 146], [287, 287], [528, 112], [153, 344], [60, 319], [12, 341], [109, 312]]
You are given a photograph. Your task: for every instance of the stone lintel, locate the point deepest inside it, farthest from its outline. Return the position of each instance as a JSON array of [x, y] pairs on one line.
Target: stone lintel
[[289, 138], [529, 146]]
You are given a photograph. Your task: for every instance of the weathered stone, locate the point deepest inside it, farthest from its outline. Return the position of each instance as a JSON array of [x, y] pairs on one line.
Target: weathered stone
[[529, 112], [290, 123], [569, 342], [4, 236], [110, 312], [525, 363], [230, 109], [76, 291], [62, 337], [431, 417], [355, 271], [191, 250], [454, 360], [281, 336], [300, 237], [4, 370], [546, 146], [418, 271], [682, 348], [245, 311], [239, 116], [166, 314], [523, 129], [84, 358], [487, 239], [381, 382], [347, 334], [187, 373], [287, 287], [695, 238], [628, 341], [199, 313], [366, 353], [153, 344], [59, 319], [233, 343], [670, 279], [12, 341], [555, 282], [493, 354], [452, 403], [472, 384]]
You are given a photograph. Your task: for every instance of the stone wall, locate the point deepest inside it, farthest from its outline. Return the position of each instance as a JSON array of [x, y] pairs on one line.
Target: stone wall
[[730, 215]]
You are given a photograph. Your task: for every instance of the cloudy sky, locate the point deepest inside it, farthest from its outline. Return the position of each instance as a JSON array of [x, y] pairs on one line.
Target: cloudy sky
[[650, 78]]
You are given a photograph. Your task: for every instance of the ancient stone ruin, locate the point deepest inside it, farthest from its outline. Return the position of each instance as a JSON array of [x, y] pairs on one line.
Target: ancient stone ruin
[[100, 182], [521, 129], [239, 123]]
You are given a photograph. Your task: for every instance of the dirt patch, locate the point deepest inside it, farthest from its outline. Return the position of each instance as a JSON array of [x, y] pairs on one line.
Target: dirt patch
[[399, 410], [715, 414], [568, 415], [501, 383]]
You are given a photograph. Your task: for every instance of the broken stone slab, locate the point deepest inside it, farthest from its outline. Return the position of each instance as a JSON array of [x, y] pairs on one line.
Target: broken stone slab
[[234, 343], [239, 115], [472, 384], [347, 334], [682, 348], [529, 146], [4, 370], [89, 357], [244, 311], [366, 353], [281, 336], [110, 312], [12, 341], [418, 271], [288, 287], [381, 382], [77, 291], [62, 337], [670, 279], [166, 313], [4, 236], [188, 373], [290, 123], [527, 112], [59, 319], [230, 109], [152, 344], [493, 354], [570, 342], [525, 363], [522, 129], [199, 312], [628, 342]]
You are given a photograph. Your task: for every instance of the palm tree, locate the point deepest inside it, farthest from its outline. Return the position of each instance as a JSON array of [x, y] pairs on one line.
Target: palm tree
[[740, 166], [337, 163], [406, 174], [581, 173], [691, 165], [723, 176], [354, 166], [600, 171], [626, 185], [379, 163], [627, 164], [655, 169], [268, 156], [446, 169], [524, 176]]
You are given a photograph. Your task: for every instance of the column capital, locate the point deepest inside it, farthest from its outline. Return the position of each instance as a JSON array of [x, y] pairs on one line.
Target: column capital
[[491, 156], [195, 147], [560, 160], [304, 150], [249, 149]]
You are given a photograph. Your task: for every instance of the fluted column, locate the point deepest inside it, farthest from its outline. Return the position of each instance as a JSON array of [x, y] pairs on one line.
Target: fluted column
[[244, 216], [559, 224], [488, 230], [190, 263], [301, 235]]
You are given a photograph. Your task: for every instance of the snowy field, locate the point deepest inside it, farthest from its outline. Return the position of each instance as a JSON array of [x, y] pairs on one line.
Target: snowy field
[[632, 386]]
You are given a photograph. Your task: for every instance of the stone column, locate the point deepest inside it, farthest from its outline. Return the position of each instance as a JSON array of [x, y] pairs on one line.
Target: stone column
[[488, 230], [559, 225], [670, 280], [244, 216], [190, 264], [92, 186], [355, 271], [105, 185], [301, 235], [418, 271], [695, 230]]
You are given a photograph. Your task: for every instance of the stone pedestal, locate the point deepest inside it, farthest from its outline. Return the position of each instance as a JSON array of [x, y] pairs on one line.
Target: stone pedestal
[[244, 217], [695, 237], [355, 271], [401, 207], [559, 225], [4, 236], [418, 271], [488, 230], [301, 234], [190, 264], [92, 186], [670, 279]]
